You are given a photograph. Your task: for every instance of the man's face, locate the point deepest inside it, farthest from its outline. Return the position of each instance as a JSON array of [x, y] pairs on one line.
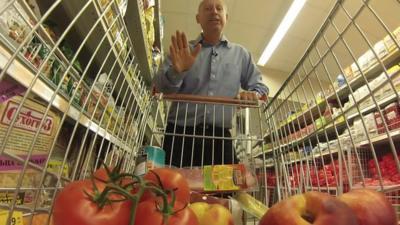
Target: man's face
[[212, 15]]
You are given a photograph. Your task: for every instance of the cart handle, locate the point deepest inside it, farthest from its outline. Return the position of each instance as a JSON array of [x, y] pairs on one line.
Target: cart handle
[[206, 99]]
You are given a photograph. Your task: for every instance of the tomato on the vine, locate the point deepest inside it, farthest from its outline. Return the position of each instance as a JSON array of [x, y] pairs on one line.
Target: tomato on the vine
[[170, 180], [102, 175], [147, 213], [73, 206]]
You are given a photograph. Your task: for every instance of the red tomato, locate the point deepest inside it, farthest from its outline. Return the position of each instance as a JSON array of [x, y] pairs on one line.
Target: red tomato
[[170, 179], [72, 206], [148, 214], [102, 175]]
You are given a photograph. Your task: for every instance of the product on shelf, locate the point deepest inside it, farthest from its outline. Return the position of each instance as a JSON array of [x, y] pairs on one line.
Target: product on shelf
[[366, 60], [396, 33], [388, 171], [392, 115], [34, 7], [348, 72], [149, 18], [379, 122], [355, 69], [219, 178], [389, 43], [109, 16], [13, 21], [103, 3], [381, 49], [154, 158], [394, 75], [24, 129]]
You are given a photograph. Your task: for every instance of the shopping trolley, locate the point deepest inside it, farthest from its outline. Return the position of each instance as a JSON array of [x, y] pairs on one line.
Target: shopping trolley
[[333, 125], [200, 131], [72, 98]]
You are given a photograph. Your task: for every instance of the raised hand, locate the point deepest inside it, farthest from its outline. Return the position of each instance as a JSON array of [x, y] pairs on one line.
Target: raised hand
[[182, 57]]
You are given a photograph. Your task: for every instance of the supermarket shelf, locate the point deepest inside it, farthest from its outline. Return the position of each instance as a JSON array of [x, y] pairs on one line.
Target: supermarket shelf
[[80, 31], [379, 188], [134, 20], [383, 138], [158, 25], [330, 128], [141, 50], [311, 156], [325, 188], [269, 165], [303, 118], [270, 150], [371, 72], [268, 187], [25, 77]]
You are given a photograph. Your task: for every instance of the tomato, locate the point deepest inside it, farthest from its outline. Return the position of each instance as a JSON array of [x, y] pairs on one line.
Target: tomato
[[102, 175], [171, 180], [73, 206], [148, 214]]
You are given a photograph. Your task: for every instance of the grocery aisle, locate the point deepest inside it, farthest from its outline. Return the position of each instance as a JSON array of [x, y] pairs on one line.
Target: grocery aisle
[[76, 95]]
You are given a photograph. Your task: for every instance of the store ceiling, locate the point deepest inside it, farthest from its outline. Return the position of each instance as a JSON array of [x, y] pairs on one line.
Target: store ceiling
[[252, 23]]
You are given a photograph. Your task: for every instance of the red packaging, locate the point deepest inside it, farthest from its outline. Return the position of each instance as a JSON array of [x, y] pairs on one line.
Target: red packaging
[[392, 115], [379, 123]]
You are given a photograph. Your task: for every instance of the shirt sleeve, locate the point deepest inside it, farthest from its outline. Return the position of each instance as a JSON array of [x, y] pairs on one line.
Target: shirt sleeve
[[167, 80], [251, 76]]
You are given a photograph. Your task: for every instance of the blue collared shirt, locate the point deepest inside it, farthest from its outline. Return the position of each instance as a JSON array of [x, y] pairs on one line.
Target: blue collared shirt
[[220, 71]]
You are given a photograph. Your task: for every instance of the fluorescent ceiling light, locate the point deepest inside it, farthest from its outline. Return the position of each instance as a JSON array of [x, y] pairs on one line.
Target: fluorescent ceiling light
[[294, 10]]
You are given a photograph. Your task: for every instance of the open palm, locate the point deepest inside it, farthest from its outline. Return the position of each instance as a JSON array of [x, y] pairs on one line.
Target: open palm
[[182, 56]]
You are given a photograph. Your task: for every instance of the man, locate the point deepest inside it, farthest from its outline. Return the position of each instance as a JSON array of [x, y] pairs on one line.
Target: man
[[198, 134]]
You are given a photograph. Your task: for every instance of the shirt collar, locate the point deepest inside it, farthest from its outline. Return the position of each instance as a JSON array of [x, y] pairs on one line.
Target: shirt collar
[[224, 40]]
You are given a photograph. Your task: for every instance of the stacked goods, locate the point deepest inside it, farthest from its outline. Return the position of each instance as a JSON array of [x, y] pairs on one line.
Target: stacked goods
[[388, 170], [20, 138], [391, 115]]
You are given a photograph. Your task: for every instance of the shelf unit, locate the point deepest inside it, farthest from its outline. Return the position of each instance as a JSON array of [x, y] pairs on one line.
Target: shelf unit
[[102, 41], [306, 116], [19, 72], [136, 29], [336, 138], [329, 128], [112, 43]]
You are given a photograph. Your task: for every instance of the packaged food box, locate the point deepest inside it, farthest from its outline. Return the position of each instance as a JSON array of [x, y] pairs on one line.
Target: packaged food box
[[379, 122], [380, 49], [355, 69], [389, 43], [363, 62], [154, 158], [348, 72], [396, 34], [18, 144], [392, 114], [219, 178]]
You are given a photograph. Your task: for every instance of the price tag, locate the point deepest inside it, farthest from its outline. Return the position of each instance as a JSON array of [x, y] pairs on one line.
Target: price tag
[[16, 218]]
